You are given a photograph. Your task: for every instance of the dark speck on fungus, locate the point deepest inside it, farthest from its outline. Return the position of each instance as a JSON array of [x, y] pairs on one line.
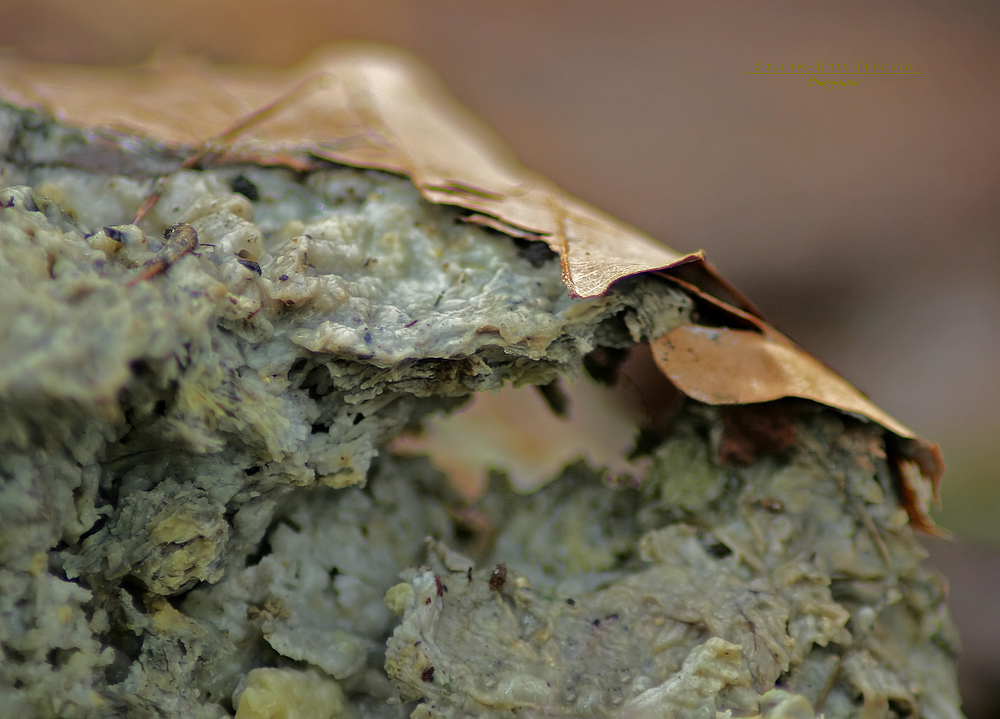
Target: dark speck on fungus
[[499, 578]]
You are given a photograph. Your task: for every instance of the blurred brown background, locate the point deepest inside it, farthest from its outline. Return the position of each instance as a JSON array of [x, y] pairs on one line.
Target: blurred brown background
[[864, 221]]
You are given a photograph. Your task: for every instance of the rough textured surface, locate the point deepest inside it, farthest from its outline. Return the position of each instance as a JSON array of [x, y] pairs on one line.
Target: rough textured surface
[[197, 517], [703, 582]]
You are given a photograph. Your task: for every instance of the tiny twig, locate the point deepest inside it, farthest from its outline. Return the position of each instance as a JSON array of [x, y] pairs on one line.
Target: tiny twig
[[876, 536], [181, 239], [220, 141], [830, 681]]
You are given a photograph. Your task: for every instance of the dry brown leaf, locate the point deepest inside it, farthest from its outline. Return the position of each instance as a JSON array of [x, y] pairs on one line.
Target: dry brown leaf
[[719, 365], [725, 366], [745, 360], [377, 108]]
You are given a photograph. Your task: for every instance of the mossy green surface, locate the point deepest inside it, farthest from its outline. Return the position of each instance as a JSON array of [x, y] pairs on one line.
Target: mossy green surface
[[196, 502]]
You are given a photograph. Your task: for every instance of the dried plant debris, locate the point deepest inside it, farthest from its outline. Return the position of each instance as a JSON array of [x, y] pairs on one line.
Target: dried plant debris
[[198, 517]]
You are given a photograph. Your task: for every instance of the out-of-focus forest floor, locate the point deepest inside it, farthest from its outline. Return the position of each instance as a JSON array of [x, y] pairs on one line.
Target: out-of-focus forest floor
[[864, 220]]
